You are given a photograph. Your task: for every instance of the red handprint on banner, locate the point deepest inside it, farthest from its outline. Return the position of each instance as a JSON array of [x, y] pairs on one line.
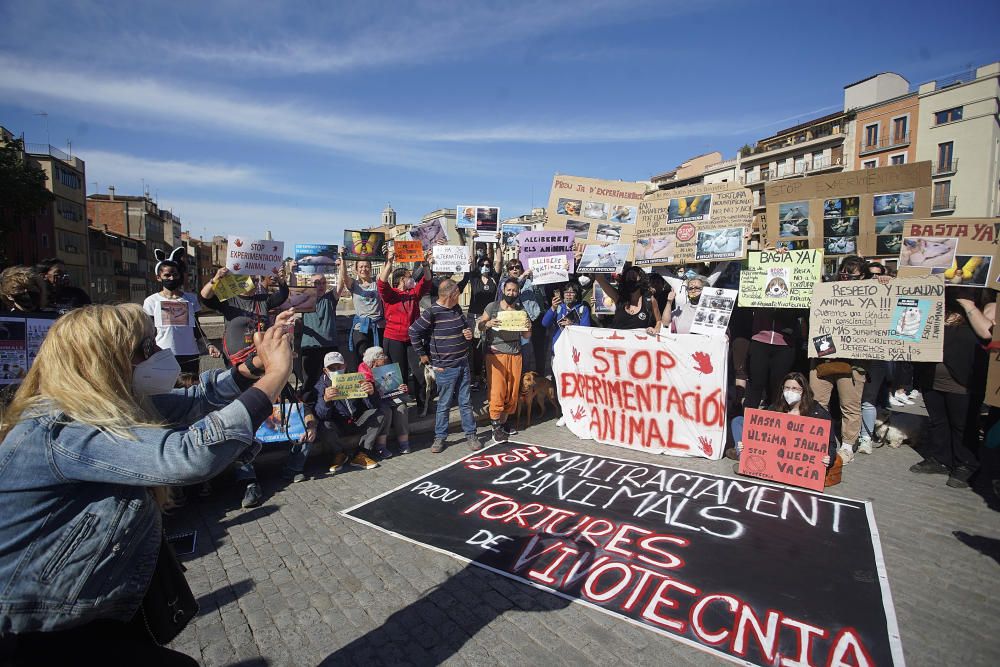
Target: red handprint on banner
[[576, 356], [577, 413], [703, 362], [236, 267], [706, 446], [238, 243]]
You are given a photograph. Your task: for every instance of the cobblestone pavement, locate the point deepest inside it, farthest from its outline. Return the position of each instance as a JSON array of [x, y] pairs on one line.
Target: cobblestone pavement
[[293, 583]]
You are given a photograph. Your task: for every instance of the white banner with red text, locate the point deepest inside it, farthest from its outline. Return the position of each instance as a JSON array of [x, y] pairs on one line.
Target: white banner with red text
[[664, 395]]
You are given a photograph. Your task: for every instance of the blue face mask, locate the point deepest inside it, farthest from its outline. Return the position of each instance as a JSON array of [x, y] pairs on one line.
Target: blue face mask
[[690, 273]]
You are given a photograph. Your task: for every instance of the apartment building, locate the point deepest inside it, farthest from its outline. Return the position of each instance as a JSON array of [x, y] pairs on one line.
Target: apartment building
[[959, 134], [708, 168], [32, 237], [886, 120], [136, 217]]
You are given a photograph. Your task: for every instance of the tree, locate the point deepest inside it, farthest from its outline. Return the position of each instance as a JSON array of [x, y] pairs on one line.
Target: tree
[[22, 188]]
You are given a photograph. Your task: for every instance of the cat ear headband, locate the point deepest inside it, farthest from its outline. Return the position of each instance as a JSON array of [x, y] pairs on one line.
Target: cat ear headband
[[175, 259]]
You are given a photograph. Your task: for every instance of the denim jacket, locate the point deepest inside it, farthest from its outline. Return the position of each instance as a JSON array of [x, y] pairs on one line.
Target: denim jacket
[[79, 531]]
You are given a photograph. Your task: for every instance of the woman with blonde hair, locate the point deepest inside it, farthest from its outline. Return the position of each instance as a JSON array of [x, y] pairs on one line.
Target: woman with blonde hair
[[96, 425]]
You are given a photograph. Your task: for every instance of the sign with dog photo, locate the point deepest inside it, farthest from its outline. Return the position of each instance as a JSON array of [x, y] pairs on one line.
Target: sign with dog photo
[[388, 380], [963, 250], [662, 395], [703, 223], [864, 319], [780, 279], [741, 569]]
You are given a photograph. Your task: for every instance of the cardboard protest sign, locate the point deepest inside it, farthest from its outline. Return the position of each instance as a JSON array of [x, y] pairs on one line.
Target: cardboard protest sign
[[960, 249], [548, 270], [846, 213], [450, 259], [232, 285], [19, 344], [388, 380], [408, 251], [364, 245], [738, 568], [348, 386], [546, 243], [275, 428], [700, 223], [512, 320], [714, 309], [603, 258], [863, 319], [431, 233], [597, 211], [785, 448], [603, 304], [311, 258], [780, 279], [993, 370], [245, 257], [661, 395], [301, 299]]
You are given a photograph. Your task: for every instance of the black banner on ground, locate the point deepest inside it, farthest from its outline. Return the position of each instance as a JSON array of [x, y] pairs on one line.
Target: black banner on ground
[[748, 570]]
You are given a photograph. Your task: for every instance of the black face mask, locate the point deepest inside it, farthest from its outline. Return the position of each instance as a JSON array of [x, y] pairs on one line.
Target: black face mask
[[172, 283], [511, 300]]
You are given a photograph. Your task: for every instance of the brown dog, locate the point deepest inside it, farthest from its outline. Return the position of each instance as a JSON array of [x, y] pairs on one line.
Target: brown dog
[[535, 388]]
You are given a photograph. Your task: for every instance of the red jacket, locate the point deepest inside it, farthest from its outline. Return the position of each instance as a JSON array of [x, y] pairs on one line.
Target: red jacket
[[402, 308]]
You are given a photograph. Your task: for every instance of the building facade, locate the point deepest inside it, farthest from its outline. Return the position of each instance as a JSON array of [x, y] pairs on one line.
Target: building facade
[[886, 120], [135, 217], [960, 135], [32, 238]]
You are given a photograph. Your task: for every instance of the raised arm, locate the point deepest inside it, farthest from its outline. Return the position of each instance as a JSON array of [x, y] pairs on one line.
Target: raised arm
[[208, 289], [605, 284], [344, 280], [390, 255]]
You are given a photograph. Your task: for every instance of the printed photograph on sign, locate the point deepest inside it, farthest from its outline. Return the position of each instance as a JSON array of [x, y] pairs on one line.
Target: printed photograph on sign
[[793, 210], [595, 210], [364, 245], [657, 248], [316, 258], [581, 227], [465, 217], [569, 206], [174, 314], [908, 319], [388, 380], [969, 270], [487, 218], [792, 245], [893, 204], [797, 227], [624, 215], [608, 233], [603, 259], [274, 428], [301, 299], [845, 207], [431, 233], [603, 304], [689, 209], [508, 234], [928, 253], [840, 226], [778, 280], [888, 245], [13, 349], [720, 243], [824, 345], [890, 224], [840, 245]]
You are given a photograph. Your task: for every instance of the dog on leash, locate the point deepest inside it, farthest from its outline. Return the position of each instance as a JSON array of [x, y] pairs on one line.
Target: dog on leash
[[430, 384], [899, 428], [535, 388]]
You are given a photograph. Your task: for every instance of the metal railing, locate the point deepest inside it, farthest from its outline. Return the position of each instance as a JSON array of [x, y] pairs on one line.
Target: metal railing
[[46, 149], [941, 168], [944, 204], [885, 143]]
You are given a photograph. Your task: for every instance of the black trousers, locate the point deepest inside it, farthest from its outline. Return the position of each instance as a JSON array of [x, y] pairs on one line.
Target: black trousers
[[767, 365], [948, 414], [878, 375], [363, 341], [403, 354]]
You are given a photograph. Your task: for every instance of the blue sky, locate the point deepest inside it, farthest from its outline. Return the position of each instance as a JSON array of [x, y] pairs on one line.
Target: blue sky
[[306, 118]]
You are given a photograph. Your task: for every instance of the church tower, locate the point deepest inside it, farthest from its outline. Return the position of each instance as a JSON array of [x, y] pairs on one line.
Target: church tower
[[388, 217]]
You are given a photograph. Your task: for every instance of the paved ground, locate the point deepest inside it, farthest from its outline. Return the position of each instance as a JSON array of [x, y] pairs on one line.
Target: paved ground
[[293, 583]]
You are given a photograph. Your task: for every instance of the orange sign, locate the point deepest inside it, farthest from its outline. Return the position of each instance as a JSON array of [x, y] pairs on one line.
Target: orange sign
[[409, 251], [785, 448]]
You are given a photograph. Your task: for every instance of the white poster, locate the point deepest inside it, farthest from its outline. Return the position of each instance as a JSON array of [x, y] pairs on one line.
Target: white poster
[[450, 259], [712, 316], [548, 270], [246, 257]]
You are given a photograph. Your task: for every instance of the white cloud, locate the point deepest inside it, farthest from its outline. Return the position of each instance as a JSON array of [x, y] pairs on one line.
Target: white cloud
[[110, 168]]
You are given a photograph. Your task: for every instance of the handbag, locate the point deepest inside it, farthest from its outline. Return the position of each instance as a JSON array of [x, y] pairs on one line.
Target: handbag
[[169, 604], [831, 368]]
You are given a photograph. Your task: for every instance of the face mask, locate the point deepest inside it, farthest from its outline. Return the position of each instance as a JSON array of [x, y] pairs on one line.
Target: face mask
[[485, 270], [511, 300], [340, 372], [690, 273], [156, 375], [171, 283], [792, 397], [409, 283], [584, 281]]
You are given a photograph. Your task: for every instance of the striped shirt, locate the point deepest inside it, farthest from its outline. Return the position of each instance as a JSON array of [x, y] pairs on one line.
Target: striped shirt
[[442, 327]]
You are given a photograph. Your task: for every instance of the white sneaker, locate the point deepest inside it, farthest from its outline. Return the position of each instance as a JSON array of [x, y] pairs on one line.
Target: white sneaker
[[561, 422], [865, 445], [914, 395], [846, 453], [897, 401]]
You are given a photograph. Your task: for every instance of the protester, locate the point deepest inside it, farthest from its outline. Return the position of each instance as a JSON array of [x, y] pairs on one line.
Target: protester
[[85, 441], [62, 296], [687, 293], [796, 398], [946, 388], [369, 320], [635, 308], [22, 291], [846, 376], [484, 288], [347, 417], [396, 419], [532, 299], [401, 297], [775, 337], [243, 315], [566, 310], [503, 358], [175, 313], [319, 338]]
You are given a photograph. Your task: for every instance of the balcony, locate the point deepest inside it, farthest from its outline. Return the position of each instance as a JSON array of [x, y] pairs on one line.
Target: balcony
[[884, 144], [943, 204], [944, 168], [824, 163], [796, 142]]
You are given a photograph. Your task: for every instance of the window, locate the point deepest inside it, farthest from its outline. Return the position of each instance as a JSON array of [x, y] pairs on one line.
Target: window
[[68, 178], [869, 164], [948, 116], [69, 210], [871, 135], [901, 129], [898, 159], [70, 242], [942, 195], [946, 152]]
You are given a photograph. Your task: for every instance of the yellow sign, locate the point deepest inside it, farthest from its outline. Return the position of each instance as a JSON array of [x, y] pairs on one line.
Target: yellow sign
[[513, 320], [348, 386], [232, 285]]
